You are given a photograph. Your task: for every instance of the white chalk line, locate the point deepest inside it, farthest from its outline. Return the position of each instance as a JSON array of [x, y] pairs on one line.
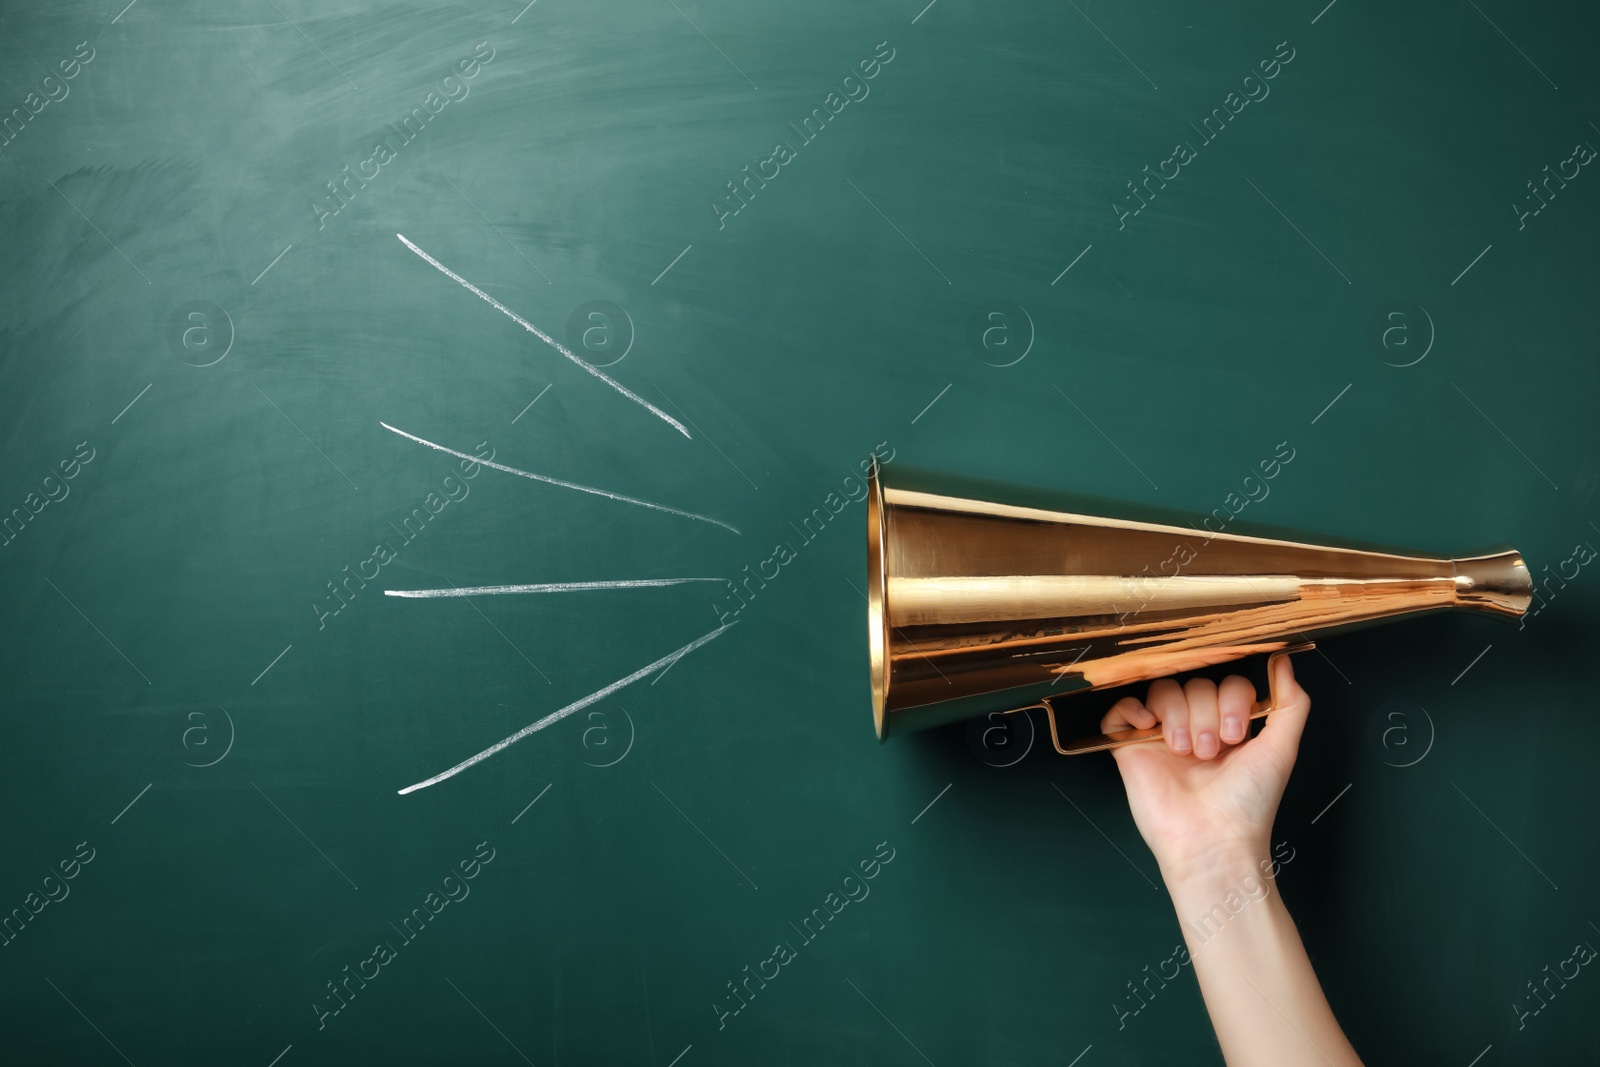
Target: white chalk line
[[570, 709], [546, 338], [548, 587], [557, 481]]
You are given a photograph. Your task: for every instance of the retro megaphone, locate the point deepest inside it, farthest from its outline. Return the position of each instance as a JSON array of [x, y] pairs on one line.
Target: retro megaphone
[[977, 607]]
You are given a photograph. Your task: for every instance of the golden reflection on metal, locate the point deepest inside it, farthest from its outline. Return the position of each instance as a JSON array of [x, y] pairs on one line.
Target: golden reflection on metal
[[972, 604]]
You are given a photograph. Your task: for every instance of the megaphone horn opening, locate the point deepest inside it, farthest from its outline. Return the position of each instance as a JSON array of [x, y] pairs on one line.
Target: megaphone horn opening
[[877, 617]]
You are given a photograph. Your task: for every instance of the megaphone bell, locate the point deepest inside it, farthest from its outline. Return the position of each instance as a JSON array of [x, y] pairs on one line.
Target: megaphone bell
[[976, 606]]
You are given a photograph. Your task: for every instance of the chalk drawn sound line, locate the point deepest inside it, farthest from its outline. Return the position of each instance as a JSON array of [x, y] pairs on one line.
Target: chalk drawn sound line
[[557, 481], [546, 338], [571, 709], [548, 587]]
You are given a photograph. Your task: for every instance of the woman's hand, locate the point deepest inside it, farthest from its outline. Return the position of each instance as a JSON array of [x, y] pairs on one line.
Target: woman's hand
[[1204, 798], [1205, 794]]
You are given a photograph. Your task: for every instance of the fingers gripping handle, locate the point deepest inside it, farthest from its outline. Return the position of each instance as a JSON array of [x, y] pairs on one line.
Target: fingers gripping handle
[[1117, 738]]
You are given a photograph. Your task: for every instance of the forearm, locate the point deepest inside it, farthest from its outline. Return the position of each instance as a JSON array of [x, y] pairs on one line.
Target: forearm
[[1263, 997]]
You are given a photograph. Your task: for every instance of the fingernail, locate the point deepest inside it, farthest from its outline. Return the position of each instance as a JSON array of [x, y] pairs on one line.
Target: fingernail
[[1206, 746], [1233, 729], [1180, 739]]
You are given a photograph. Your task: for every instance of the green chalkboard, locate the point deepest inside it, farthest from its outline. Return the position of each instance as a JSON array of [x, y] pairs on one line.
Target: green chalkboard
[[305, 305]]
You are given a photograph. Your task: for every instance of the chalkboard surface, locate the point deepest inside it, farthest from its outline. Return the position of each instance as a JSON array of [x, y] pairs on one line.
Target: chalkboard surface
[[307, 305]]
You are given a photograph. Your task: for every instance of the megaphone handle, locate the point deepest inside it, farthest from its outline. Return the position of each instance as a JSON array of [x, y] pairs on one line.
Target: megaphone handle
[[1117, 738]]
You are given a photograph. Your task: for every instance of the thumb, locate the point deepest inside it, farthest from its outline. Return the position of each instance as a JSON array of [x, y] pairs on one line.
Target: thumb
[[1291, 707]]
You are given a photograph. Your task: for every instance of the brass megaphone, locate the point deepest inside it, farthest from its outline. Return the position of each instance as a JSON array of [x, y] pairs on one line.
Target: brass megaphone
[[977, 607]]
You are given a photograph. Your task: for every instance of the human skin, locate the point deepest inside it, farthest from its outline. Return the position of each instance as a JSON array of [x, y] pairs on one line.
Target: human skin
[[1204, 798]]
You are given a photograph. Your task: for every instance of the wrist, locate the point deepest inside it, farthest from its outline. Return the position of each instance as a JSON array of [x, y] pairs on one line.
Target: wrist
[[1205, 873], [1226, 888]]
